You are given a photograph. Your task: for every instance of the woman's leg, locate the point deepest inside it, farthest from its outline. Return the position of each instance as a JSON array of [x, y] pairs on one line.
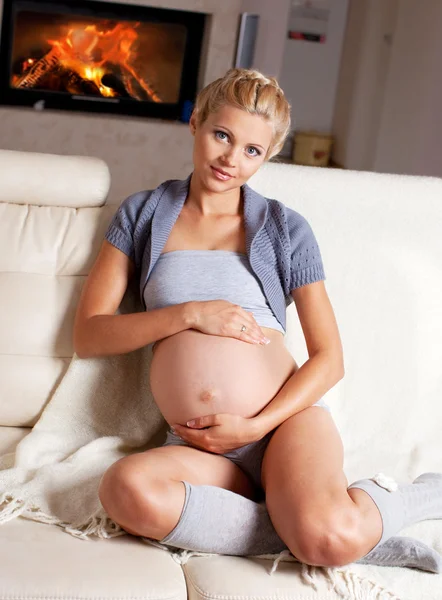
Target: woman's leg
[[144, 492], [321, 520], [147, 494], [188, 498], [306, 493]]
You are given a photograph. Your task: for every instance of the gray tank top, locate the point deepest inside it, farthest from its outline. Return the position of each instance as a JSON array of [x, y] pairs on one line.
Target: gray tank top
[[199, 275]]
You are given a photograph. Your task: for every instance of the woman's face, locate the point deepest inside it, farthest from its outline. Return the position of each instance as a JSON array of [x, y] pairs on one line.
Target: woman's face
[[229, 147]]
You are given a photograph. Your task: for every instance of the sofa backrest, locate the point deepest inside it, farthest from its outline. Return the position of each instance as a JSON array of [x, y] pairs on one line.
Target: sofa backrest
[[380, 237], [52, 220]]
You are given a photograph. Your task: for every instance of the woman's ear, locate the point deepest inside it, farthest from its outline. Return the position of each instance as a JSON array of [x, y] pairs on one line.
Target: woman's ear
[[192, 123]]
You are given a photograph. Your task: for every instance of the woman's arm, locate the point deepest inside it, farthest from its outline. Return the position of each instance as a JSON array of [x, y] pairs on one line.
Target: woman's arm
[[98, 331], [324, 367]]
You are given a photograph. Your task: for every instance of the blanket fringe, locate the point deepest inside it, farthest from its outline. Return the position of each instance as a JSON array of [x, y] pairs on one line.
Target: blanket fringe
[[278, 559], [11, 508], [99, 525], [350, 585], [179, 556]]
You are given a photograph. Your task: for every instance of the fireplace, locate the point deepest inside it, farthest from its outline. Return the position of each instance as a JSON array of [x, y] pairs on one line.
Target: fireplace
[[98, 56]]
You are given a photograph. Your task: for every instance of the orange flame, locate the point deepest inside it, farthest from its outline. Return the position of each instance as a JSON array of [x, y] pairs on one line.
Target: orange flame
[[85, 51], [90, 51]]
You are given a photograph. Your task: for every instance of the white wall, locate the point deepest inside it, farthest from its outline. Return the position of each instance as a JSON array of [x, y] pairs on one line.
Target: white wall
[[309, 74], [410, 137], [361, 89], [141, 153], [390, 88]]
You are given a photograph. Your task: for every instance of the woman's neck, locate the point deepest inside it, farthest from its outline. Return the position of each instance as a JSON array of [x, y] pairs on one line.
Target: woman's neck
[[209, 203]]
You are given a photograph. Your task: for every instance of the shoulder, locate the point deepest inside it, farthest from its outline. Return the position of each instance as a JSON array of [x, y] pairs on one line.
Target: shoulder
[[281, 210], [290, 224], [134, 204], [131, 216], [301, 245], [137, 209]]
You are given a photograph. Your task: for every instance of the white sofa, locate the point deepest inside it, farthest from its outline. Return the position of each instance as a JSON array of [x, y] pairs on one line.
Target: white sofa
[[381, 241]]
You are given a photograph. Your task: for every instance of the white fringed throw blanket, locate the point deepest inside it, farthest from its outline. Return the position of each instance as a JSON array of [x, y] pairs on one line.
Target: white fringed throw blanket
[[103, 410]]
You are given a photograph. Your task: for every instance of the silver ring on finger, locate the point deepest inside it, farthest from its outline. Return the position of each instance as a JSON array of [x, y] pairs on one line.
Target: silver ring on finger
[[243, 328]]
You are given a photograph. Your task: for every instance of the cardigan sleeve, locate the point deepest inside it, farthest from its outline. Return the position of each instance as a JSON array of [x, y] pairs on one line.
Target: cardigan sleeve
[[120, 232], [305, 257]]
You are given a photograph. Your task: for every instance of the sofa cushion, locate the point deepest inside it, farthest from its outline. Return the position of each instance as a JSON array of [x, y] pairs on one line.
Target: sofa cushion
[[232, 577], [45, 256], [52, 220], [58, 565], [41, 561]]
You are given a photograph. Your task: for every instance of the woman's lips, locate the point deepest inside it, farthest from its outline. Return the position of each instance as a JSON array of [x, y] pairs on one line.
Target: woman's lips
[[220, 174]]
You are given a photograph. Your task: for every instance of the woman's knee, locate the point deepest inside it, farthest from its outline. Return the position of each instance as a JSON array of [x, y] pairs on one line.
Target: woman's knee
[[326, 541], [129, 495]]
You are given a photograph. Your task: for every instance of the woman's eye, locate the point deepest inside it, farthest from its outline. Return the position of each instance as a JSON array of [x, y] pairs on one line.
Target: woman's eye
[[221, 135], [252, 151]]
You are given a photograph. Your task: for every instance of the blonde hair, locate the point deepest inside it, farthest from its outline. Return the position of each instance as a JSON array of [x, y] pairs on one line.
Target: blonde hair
[[253, 92]]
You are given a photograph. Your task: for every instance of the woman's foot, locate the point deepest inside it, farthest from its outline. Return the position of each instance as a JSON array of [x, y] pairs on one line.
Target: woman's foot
[[404, 552]]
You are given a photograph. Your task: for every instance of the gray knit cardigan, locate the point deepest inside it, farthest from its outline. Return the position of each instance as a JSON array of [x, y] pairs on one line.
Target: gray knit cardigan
[[280, 244]]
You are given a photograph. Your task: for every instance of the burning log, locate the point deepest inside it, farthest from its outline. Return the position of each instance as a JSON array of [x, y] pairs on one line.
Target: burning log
[[114, 83], [48, 67], [130, 84], [75, 84], [145, 85], [35, 74]]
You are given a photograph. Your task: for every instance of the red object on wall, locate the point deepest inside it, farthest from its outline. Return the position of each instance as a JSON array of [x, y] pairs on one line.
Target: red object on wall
[[308, 37]]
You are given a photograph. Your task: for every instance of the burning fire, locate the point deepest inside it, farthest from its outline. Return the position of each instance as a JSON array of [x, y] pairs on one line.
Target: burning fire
[[87, 55]]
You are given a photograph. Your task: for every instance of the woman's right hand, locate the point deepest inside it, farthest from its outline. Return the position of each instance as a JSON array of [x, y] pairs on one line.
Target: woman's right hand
[[221, 317]]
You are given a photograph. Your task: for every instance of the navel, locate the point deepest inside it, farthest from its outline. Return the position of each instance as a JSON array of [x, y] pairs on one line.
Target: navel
[[207, 395]]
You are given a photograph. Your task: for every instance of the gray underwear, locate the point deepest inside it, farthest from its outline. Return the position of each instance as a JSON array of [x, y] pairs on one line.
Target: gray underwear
[[248, 458]]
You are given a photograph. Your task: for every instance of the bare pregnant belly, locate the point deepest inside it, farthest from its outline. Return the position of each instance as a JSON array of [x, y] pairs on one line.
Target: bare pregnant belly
[[193, 374]]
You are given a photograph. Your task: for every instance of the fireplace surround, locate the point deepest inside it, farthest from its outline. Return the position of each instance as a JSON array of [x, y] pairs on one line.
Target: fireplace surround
[[89, 55]]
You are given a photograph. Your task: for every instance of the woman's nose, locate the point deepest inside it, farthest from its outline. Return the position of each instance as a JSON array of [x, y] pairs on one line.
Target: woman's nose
[[230, 157]]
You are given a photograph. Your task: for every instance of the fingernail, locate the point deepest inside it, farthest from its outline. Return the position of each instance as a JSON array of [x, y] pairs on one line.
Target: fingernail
[[266, 341], [190, 423]]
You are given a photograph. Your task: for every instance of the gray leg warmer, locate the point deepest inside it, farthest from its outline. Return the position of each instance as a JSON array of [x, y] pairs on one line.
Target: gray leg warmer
[[218, 521], [405, 504]]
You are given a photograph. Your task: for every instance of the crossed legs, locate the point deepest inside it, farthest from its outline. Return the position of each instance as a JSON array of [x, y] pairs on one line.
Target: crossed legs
[[195, 500], [306, 491]]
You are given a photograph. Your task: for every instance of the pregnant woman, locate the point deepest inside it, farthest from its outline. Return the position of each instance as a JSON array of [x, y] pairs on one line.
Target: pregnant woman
[[252, 462]]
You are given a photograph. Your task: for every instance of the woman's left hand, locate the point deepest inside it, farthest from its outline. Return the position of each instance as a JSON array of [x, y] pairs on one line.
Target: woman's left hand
[[219, 433]]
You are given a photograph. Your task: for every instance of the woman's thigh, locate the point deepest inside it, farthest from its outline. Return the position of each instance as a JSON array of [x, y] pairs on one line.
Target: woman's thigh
[[304, 482], [143, 492], [195, 466]]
